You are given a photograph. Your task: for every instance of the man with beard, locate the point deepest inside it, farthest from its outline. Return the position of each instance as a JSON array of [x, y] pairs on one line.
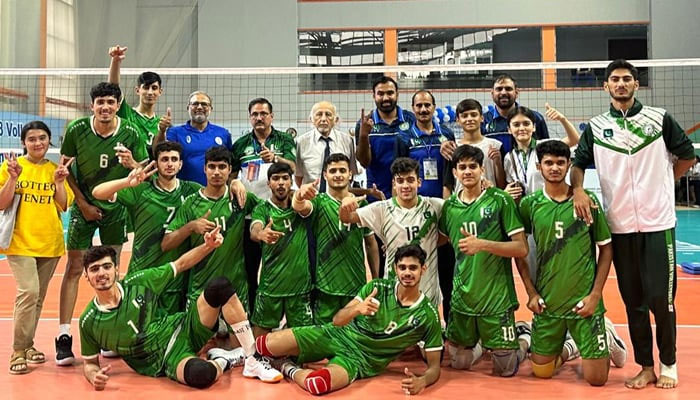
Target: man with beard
[[151, 204], [125, 316], [285, 277], [385, 318], [505, 95], [422, 143], [148, 89], [375, 134], [568, 293], [340, 260], [316, 145], [632, 146], [253, 153], [485, 231], [96, 142], [196, 136], [403, 219]]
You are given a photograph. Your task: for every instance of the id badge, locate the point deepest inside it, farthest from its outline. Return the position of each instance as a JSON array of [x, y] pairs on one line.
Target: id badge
[[430, 169], [253, 171]]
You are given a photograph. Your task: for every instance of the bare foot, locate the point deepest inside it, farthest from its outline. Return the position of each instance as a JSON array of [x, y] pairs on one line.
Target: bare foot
[[664, 382], [645, 377]]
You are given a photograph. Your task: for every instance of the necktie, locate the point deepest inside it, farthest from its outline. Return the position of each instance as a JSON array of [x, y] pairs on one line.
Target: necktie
[[326, 153]]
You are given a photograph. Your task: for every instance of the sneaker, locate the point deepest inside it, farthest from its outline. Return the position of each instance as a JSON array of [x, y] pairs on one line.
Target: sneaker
[[617, 347], [259, 367], [64, 353], [109, 354], [572, 349], [523, 331], [234, 358], [284, 365]]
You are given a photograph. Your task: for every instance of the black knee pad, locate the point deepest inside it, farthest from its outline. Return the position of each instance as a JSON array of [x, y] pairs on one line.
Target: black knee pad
[[199, 374], [218, 291]]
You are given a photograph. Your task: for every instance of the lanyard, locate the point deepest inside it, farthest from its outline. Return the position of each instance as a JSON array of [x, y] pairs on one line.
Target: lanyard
[[523, 167], [417, 134]]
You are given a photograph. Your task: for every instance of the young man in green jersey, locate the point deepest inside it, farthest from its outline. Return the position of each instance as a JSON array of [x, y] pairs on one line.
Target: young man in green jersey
[[340, 260], [285, 276], [385, 318], [405, 218], [151, 204], [97, 142], [485, 230], [125, 316], [201, 212], [568, 292], [149, 88]]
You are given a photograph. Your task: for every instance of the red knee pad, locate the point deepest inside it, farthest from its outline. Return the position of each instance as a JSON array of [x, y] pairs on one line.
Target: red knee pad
[[261, 346], [318, 382]]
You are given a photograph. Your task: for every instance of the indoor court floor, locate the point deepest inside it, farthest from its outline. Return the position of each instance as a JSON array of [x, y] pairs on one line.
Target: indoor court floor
[[48, 381]]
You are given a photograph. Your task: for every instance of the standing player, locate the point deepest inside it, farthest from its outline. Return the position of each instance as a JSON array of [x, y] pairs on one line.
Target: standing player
[[568, 293], [285, 278], [634, 148], [485, 231], [151, 204], [385, 318], [406, 218], [340, 260], [95, 142], [201, 212], [125, 316], [148, 88]]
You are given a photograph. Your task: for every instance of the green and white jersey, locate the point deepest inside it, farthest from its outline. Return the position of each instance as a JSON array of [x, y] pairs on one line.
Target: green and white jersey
[[147, 126], [151, 209], [397, 226], [394, 327], [340, 255], [483, 282], [566, 251], [633, 153], [95, 159], [285, 264], [228, 259], [135, 329]]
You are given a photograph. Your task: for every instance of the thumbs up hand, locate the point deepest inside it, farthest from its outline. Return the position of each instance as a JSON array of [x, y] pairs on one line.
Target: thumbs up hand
[[165, 121], [469, 244], [202, 225], [370, 305]]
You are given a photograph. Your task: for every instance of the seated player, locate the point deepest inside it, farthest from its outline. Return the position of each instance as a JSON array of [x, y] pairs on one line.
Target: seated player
[[373, 329], [567, 294], [485, 230], [151, 204], [124, 317], [340, 259], [285, 277]]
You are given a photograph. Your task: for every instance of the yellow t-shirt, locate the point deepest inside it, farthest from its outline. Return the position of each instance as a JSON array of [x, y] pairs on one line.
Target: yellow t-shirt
[[38, 229]]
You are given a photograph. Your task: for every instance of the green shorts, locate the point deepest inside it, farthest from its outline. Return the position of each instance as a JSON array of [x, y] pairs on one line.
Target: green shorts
[[112, 228], [190, 337], [269, 310], [326, 305], [334, 343], [495, 331], [172, 299], [549, 334]]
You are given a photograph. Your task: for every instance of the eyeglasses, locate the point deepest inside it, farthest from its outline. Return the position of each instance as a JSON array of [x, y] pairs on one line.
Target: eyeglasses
[[199, 103], [262, 114]]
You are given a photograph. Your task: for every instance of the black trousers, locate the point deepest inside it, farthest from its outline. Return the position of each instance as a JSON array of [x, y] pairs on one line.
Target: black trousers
[[253, 254], [446, 273], [645, 263]]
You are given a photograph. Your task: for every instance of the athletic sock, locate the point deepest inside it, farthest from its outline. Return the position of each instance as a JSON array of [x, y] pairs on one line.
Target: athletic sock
[[245, 337], [64, 329]]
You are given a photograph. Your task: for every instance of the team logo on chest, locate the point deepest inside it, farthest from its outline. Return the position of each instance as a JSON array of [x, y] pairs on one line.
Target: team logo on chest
[[607, 133], [188, 139], [218, 141], [486, 212], [403, 126], [248, 150], [648, 129]]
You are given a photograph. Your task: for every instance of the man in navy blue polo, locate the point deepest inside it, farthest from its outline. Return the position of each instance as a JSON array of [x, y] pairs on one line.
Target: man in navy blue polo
[[375, 134], [505, 95], [196, 137], [422, 143]]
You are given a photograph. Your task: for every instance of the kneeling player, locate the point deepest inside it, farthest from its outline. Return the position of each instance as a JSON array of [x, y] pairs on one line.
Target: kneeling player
[[372, 330], [485, 230], [568, 291], [124, 316]]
